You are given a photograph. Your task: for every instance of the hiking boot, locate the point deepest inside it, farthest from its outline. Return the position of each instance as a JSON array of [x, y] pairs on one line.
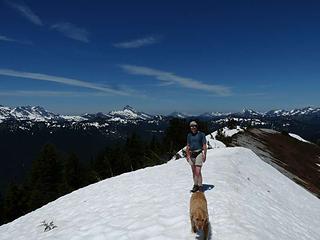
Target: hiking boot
[[200, 188], [195, 188]]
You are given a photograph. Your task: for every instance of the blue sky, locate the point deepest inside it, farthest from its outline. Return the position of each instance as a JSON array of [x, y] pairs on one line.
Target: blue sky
[[73, 57]]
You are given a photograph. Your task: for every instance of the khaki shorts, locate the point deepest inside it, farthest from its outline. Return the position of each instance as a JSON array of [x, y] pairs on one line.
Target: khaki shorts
[[197, 161]]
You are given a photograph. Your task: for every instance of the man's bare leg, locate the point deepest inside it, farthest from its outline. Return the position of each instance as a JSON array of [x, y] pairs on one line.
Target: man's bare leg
[[198, 175], [195, 180]]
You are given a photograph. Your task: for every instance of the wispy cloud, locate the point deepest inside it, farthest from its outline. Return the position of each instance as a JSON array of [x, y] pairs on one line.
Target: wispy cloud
[[171, 78], [7, 39], [25, 11], [72, 31], [45, 93], [138, 43], [37, 93], [62, 80], [253, 94]]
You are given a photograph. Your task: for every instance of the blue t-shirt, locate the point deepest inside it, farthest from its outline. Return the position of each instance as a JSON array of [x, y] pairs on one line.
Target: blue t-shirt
[[196, 141]]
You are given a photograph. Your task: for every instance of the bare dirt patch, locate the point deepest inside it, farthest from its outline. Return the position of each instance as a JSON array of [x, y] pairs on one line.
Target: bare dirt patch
[[298, 160]]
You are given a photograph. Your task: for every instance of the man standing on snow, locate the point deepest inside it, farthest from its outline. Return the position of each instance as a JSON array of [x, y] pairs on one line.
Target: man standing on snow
[[196, 154]]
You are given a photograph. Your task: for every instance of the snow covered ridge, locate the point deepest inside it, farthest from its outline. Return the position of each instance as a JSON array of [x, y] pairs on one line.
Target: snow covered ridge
[[247, 199], [229, 132], [252, 121], [298, 137]]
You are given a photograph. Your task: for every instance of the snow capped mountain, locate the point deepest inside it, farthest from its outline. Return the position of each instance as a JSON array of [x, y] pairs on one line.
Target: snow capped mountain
[[275, 113], [39, 114], [247, 199], [214, 114], [129, 113], [74, 118], [179, 115], [28, 113], [302, 111], [91, 116], [4, 112], [250, 113], [293, 112]]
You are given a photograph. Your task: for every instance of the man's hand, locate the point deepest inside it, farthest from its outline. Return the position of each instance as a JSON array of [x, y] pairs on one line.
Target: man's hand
[[204, 157], [188, 153], [204, 152]]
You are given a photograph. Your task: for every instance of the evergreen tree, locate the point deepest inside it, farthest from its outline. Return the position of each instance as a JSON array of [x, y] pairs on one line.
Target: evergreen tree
[[135, 151], [116, 160], [72, 174], [15, 202], [126, 162], [88, 173], [111, 161], [151, 158], [155, 145], [153, 153], [101, 167], [232, 123], [46, 177], [120, 160], [175, 135], [203, 126], [1, 210]]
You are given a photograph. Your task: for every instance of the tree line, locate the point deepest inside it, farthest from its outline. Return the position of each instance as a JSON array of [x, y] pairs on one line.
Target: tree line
[[53, 174]]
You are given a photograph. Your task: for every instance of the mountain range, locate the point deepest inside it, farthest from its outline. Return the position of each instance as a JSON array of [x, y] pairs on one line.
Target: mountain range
[[128, 113], [118, 123], [30, 127]]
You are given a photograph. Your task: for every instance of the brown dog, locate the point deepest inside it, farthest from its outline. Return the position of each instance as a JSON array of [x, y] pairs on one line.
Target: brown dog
[[199, 213]]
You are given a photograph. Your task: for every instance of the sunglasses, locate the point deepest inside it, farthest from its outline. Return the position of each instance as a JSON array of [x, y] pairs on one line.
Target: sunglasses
[[193, 126]]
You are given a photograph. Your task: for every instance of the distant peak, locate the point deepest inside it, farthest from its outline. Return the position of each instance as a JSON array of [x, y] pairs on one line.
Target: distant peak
[[128, 107], [179, 114], [247, 110], [39, 108]]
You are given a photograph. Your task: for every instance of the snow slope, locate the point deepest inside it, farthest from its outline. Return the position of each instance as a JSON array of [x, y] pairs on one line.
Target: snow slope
[[249, 200], [298, 137], [228, 132]]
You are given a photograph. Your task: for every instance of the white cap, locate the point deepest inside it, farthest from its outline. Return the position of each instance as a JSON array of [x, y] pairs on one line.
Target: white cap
[[193, 123]]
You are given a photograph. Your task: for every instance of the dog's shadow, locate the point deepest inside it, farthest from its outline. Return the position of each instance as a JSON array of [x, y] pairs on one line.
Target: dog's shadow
[[200, 234], [207, 187]]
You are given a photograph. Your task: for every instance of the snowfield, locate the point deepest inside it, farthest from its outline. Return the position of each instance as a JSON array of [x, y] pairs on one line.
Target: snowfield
[[247, 199], [298, 137]]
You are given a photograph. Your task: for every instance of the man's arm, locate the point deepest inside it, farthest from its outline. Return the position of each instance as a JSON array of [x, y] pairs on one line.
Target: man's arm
[[188, 148], [204, 152], [204, 148], [188, 152]]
